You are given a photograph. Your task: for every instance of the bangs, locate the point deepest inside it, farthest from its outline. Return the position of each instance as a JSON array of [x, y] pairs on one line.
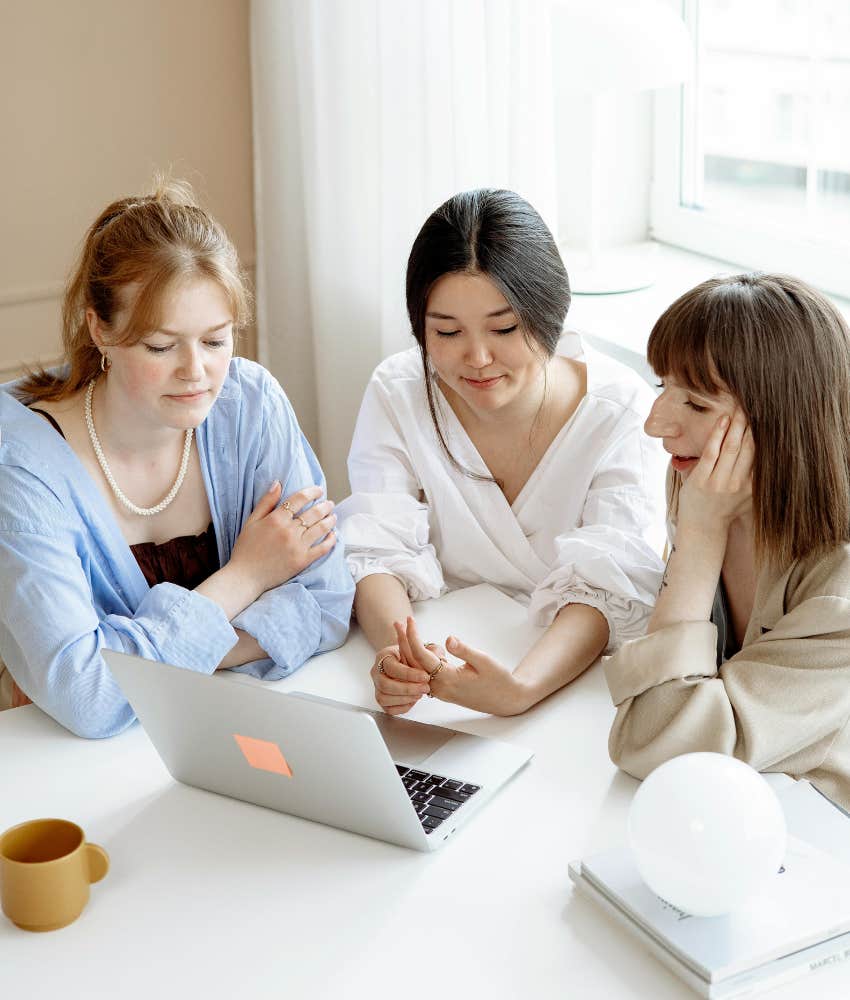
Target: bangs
[[682, 344]]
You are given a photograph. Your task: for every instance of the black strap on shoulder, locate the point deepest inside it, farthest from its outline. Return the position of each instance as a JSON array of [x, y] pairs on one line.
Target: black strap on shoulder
[[44, 413]]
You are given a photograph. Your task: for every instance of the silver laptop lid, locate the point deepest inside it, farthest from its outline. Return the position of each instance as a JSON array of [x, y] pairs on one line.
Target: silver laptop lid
[[281, 751]]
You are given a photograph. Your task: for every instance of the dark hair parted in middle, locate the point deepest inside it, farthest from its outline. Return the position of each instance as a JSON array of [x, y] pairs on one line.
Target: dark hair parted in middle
[[497, 234], [783, 351]]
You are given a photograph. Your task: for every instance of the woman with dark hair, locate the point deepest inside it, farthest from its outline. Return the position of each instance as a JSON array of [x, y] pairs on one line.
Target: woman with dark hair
[[748, 649], [484, 456], [156, 494]]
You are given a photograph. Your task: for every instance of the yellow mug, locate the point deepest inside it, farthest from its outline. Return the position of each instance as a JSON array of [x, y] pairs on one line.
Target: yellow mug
[[46, 868]]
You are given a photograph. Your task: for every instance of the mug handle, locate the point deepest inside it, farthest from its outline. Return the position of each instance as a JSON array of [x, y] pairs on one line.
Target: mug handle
[[98, 861]]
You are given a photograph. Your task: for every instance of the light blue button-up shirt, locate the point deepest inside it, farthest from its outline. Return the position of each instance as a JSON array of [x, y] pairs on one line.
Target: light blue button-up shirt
[[70, 586]]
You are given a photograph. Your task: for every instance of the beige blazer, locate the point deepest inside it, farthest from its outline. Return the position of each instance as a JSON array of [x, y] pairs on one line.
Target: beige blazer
[[781, 704]]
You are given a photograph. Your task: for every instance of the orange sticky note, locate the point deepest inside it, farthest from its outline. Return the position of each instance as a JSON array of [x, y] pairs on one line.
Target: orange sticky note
[[263, 754]]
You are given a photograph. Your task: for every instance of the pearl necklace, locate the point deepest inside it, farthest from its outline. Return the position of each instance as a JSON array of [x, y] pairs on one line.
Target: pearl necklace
[[101, 458]]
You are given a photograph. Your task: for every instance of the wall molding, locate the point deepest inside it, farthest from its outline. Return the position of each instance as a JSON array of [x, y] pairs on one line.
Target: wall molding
[[10, 372], [30, 320], [49, 291]]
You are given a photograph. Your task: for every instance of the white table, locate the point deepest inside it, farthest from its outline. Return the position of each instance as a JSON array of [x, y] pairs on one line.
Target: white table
[[214, 898]]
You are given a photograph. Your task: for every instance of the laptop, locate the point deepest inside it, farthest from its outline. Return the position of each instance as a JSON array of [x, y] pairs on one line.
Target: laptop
[[403, 782]]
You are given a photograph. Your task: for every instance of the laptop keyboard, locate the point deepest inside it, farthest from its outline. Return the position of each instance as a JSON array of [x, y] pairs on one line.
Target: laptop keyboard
[[434, 796]]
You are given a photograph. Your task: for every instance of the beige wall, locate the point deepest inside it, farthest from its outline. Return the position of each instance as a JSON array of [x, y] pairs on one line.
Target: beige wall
[[95, 95]]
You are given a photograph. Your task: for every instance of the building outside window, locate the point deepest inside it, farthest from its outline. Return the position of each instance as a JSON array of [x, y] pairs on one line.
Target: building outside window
[[752, 160]]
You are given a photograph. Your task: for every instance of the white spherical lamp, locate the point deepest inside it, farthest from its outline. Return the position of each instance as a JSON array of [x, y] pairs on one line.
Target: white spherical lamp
[[707, 831]]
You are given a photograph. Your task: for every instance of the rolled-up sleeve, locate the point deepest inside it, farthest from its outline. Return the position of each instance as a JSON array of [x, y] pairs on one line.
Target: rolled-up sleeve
[[53, 635], [786, 692], [388, 533], [384, 524], [609, 561]]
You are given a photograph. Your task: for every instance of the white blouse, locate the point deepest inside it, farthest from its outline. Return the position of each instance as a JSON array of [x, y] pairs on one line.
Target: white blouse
[[585, 529]]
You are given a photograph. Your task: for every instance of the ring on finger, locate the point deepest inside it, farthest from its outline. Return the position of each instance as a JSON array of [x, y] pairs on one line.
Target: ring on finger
[[381, 663], [287, 506], [433, 673]]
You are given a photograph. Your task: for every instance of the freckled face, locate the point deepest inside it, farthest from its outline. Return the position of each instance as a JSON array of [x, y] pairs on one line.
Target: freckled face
[[684, 420], [475, 342], [173, 375]]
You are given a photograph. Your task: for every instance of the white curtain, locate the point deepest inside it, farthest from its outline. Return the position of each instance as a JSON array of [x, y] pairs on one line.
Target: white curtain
[[367, 115]]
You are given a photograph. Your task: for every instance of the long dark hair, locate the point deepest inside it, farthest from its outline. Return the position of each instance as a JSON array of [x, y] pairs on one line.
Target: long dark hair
[[783, 351], [497, 234]]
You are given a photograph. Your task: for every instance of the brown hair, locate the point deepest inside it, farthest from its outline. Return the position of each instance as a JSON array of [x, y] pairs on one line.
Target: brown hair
[[783, 351], [152, 243]]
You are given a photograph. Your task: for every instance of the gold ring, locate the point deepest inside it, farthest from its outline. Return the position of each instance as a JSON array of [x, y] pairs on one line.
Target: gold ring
[[440, 665], [286, 506], [433, 673], [381, 663]]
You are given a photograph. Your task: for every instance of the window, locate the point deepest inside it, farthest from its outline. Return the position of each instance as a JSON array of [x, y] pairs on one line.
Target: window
[[752, 157]]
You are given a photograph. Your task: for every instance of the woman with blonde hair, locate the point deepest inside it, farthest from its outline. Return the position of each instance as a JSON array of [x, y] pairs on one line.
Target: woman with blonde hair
[[156, 494], [748, 649]]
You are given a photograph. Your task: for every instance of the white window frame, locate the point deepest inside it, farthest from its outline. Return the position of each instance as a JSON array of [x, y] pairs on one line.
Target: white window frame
[[823, 262]]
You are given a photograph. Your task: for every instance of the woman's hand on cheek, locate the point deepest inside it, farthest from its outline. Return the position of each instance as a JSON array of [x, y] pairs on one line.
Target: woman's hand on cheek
[[479, 683], [719, 488]]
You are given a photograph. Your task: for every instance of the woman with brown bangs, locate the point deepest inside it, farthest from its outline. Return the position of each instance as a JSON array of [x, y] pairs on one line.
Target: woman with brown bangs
[[748, 649]]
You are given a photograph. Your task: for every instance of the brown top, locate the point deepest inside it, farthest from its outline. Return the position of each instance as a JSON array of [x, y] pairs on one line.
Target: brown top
[[187, 560]]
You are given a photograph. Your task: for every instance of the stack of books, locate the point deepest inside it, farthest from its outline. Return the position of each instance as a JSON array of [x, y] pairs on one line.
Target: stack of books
[[800, 923]]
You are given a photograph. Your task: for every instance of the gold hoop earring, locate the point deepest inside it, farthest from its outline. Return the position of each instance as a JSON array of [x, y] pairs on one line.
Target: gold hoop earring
[[105, 363]]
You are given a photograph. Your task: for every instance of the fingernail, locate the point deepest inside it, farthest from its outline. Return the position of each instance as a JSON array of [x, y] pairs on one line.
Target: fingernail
[[274, 486]]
